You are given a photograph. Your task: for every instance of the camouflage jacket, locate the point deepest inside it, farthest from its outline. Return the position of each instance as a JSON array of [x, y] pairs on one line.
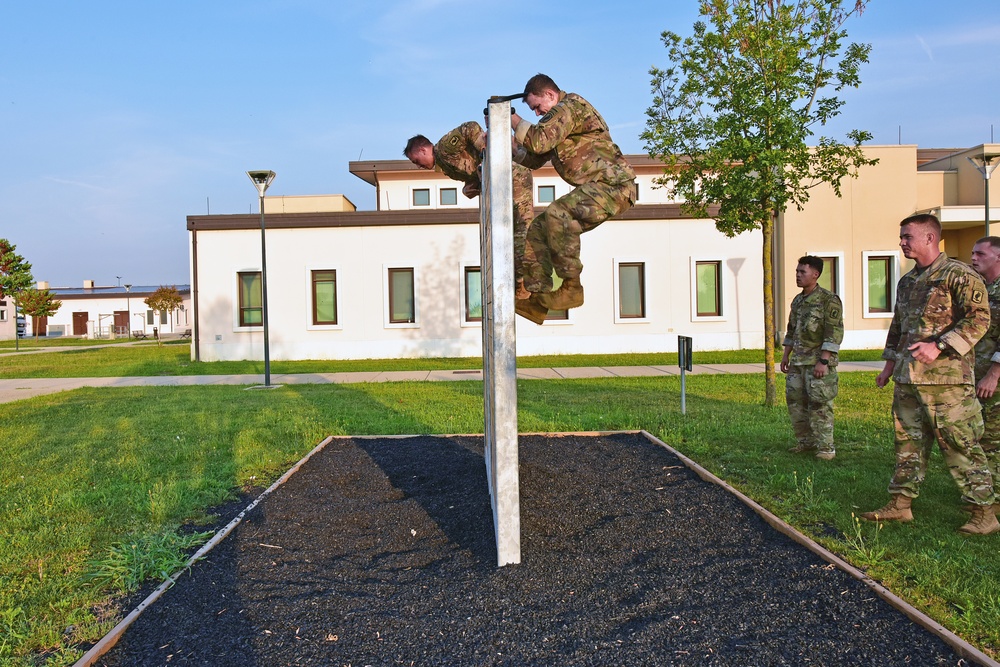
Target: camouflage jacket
[[459, 153], [945, 301], [577, 141], [815, 324], [988, 347]]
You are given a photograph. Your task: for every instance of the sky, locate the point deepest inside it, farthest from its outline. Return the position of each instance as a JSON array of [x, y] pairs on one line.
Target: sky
[[118, 119]]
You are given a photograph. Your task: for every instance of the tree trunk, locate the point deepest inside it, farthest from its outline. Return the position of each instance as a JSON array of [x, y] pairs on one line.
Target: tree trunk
[[767, 255]]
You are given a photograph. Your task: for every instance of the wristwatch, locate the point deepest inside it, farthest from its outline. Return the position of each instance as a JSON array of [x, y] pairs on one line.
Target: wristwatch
[[941, 345], [825, 362]]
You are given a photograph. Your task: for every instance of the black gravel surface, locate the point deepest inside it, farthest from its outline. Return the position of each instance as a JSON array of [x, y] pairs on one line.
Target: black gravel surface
[[381, 552]]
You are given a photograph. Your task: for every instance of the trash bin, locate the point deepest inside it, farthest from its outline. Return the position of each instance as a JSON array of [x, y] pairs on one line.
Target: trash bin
[[156, 333]]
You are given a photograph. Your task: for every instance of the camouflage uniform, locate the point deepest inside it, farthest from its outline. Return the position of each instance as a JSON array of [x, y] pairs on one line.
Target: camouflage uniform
[[459, 154], [987, 354], [815, 325], [946, 302], [574, 137]]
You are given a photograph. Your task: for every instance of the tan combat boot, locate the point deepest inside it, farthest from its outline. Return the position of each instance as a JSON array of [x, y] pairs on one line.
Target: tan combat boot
[[982, 521], [569, 295], [897, 509], [531, 309]]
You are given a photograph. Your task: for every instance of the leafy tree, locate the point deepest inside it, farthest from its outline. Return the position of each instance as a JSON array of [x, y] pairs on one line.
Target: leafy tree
[[732, 114], [15, 277], [164, 300], [38, 303]]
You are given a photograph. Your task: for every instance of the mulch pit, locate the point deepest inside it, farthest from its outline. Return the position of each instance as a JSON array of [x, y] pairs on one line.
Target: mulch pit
[[381, 552]]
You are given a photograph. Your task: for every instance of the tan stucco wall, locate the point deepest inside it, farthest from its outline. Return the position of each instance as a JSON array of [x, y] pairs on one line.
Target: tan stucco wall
[[865, 219], [308, 204]]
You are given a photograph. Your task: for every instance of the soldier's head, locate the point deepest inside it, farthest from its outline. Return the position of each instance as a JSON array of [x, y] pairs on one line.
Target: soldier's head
[[420, 151], [808, 271], [541, 94], [920, 238], [986, 257]]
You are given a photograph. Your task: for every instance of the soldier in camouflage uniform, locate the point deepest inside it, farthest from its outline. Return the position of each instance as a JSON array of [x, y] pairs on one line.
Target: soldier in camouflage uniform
[[458, 155], [812, 341], [986, 260], [941, 312], [574, 137]]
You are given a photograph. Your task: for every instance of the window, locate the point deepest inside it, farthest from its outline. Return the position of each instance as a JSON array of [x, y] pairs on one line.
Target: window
[[324, 297], [421, 197], [829, 279], [251, 299], [546, 194], [708, 283], [473, 294], [3, 314], [150, 318], [163, 317], [449, 197], [401, 305], [879, 284], [631, 290], [555, 315]]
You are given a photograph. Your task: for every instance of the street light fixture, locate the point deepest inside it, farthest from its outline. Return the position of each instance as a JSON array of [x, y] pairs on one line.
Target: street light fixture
[[128, 309], [262, 180], [985, 164]]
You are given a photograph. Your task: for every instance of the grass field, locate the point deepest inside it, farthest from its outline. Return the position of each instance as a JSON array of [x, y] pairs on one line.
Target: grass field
[[97, 483]]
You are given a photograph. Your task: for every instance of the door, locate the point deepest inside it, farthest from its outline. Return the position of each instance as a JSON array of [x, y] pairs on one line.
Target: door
[[80, 324], [40, 326], [121, 322]]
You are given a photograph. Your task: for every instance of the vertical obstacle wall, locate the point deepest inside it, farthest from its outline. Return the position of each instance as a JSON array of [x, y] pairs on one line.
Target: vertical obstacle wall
[[496, 230]]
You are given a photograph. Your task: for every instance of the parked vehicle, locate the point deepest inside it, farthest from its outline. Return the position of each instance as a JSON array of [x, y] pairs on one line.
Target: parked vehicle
[[22, 326]]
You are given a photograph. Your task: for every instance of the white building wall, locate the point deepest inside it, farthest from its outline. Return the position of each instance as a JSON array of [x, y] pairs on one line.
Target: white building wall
[[362, 255]]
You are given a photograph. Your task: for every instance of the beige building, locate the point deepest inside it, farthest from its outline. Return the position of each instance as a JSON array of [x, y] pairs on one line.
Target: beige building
[[402, 281]]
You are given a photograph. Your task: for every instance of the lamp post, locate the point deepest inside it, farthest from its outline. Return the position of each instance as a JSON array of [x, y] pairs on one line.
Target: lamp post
[[128, 310], [985, 165], [261, 181]]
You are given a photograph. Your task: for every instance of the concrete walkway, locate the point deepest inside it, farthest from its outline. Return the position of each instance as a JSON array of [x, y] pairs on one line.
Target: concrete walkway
[[17, 389]]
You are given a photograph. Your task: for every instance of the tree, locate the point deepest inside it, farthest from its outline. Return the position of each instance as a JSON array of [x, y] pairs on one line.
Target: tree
[[731, 117], [38, 303], [15, 277], [164, 300]]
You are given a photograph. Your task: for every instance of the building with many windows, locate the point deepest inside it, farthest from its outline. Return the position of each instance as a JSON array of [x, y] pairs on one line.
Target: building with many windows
[[403, 280]]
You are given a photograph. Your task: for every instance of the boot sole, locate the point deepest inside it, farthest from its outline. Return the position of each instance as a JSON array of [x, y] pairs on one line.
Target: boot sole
[[531, 310]]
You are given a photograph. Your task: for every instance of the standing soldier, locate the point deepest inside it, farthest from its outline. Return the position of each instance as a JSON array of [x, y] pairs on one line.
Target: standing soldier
[[576, 139], [815, 331], [986, 260], [941, 312], [458, 155]]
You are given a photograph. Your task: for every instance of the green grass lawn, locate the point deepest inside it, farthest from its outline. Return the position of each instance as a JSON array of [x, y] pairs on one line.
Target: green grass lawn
[[174, 358], [97, 483]]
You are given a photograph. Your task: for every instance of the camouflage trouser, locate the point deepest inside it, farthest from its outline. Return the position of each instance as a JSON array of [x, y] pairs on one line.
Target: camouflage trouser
[[524, 211], [990, 442], [810, 406], [554, 236], [950, 414]]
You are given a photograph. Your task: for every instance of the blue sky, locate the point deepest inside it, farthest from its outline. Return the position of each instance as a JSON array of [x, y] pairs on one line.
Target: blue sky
[[118, 119]]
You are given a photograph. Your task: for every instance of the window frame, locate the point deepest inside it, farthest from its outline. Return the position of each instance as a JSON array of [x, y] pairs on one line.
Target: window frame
[[388, 322], [538, 193], [413, 198], [465, 270], [310, 284], [891, 281], [643, 291], [721, 289], [238, 322], [441, 202]]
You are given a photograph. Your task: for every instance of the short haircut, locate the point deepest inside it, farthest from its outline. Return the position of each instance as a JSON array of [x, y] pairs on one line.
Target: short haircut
[[923, 219], [992, 240], [812, 261], [538, 84], [415, 142]]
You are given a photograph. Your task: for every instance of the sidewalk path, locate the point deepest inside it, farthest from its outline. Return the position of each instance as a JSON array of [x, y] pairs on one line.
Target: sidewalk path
[[17, 389]]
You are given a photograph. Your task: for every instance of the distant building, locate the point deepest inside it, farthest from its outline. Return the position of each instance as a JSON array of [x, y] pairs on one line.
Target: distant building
[[403, 280], [114, 311]]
